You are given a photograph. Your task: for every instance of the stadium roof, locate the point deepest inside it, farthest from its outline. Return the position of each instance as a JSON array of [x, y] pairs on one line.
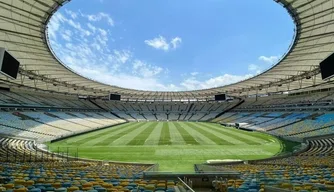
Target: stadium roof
[[23, 25]]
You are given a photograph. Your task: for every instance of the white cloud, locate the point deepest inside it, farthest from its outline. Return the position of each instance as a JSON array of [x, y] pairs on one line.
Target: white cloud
[[144, 79], [67, 35], [254, 68], [126, 80], [158, 43], [91, 27], [91, 58], [57, 23], [102, 37], [162, 44], [78, 27], [176, 42], [98, 17], [145, 70], [267, 62], [54, 24], [122, 56], [108, 67], [270, 59], [226, 79], [71, 13], [85, 50]]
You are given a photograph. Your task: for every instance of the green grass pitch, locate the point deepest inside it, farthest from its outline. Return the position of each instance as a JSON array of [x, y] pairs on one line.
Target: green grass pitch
[[176, 146]]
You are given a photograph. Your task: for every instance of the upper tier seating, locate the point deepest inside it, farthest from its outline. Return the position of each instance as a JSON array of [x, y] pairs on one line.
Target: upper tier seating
[[194, 111], [163, 111], [302, 125], [43, 100], [306, 100]]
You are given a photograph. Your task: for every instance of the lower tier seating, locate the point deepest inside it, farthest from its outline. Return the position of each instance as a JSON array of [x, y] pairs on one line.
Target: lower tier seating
[[25, 168], [312, 170], [320, 153], [78, 176]]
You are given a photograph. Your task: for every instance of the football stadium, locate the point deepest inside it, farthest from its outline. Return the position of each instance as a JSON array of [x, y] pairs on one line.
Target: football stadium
[[62, 131]]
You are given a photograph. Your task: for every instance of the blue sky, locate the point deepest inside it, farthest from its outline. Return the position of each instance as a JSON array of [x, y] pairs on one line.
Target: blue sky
[[170, 45]]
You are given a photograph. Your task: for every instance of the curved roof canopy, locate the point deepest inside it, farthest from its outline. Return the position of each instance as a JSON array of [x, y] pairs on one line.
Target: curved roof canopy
[[23, 26]]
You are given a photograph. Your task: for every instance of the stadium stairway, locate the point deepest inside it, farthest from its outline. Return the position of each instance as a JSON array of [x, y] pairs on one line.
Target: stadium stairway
[[142, 114], [104, 109], [130, 115], [200, 119], [117, 115], [241, 101], [269, 120], [223, 117], [97, 105], [65, 119], [314, 115]]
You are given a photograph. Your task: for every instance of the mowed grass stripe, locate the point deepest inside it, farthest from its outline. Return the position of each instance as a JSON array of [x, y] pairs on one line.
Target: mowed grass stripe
[[219, 134], [127, 137], [238, 133], [179, 156], [199, 137], [165, 135], [223, 131], [255, 136], [185, 135], [142, 136], [211, 136], [109, 138], [154, 137], [97, 134], [175, 135]]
